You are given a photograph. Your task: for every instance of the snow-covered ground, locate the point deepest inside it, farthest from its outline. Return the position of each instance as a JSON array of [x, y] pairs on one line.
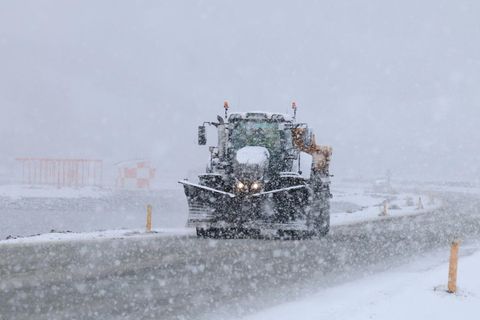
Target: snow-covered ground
[[452, 189], [104, 234], [26, 211], [414, 291], [348, 254], [26, 191], [350, 204]]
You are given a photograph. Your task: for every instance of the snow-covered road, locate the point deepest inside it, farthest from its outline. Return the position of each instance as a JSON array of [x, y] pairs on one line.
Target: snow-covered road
[[412, 291], [183, 277]]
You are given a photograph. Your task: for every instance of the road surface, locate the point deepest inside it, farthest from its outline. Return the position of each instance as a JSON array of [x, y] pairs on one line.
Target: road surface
[[190, 278]]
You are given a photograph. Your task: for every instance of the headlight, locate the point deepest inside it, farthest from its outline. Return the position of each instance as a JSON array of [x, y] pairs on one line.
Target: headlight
[[248, 186]]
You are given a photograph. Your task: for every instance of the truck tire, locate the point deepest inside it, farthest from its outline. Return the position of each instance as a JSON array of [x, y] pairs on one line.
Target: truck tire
[[320, 215]]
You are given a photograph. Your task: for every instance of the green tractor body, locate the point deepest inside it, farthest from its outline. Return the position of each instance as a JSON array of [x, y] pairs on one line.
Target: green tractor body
[[253, 184]]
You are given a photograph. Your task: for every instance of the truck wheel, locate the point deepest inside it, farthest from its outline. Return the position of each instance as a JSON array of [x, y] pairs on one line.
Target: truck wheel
[[322, 225], [201, 233], [209, 233], [294, 234]]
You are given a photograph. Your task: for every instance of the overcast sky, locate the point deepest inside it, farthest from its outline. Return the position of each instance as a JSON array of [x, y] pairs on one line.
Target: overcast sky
[[389, 84]]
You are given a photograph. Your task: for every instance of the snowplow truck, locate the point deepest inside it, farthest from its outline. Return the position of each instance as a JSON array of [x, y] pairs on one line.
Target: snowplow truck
[[253, 184]]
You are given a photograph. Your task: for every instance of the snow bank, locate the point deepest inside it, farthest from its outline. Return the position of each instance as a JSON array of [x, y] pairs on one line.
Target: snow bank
[[410, 292], [105, 234]]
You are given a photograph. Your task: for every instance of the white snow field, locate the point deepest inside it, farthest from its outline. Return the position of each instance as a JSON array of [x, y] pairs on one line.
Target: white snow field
[[356, 204], [18, 191], [414, 291], [26, 211]]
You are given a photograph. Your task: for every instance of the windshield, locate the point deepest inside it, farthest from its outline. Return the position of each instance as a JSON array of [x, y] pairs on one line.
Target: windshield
[[255, 133]]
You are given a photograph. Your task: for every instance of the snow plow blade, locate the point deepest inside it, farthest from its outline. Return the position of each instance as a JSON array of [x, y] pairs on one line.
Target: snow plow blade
[[284, 212]]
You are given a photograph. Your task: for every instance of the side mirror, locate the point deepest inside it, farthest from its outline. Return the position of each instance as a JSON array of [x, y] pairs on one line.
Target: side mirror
[[202, 136]]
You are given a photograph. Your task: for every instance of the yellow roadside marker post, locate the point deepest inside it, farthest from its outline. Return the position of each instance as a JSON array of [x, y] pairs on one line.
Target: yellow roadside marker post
[[452, 271], [384, 208], [149, 218], [420, 204]]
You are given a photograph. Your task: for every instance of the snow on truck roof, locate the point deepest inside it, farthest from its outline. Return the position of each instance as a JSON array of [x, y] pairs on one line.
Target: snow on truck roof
[[259, 115]]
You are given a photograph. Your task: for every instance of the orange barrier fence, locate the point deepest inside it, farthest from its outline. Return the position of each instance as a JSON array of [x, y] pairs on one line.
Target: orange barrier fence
[[61, 172]]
